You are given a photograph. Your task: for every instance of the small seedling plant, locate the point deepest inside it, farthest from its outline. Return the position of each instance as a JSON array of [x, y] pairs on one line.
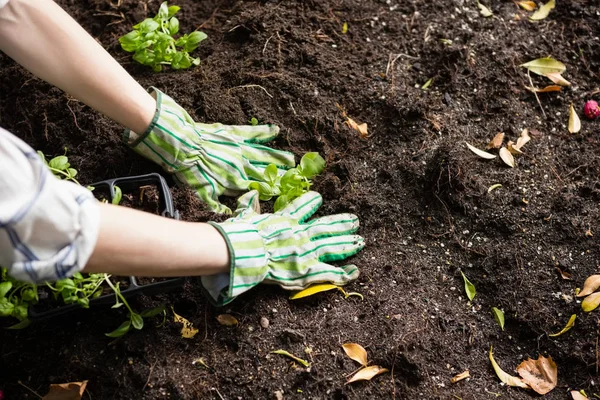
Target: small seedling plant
[[290, 185], [154, 44]]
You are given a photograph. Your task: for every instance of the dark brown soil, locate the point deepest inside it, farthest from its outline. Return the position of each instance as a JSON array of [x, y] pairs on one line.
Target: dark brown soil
[[421, 196]]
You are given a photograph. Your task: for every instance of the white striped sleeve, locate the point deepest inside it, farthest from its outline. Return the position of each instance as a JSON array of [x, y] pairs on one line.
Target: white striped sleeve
[[3, 3], [48, 227]]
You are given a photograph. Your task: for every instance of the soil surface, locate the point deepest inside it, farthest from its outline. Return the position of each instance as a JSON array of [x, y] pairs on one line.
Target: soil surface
[[421, 195]]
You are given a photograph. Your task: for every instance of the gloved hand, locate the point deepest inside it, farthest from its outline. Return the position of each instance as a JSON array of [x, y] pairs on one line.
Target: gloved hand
[[213, 159], [282, 248]]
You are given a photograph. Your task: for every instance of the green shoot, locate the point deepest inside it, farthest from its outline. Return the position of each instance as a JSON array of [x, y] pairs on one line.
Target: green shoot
[[60, 167]]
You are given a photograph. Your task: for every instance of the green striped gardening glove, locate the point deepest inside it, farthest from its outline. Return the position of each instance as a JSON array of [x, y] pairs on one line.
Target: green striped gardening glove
[[213, 159], [283, 248]]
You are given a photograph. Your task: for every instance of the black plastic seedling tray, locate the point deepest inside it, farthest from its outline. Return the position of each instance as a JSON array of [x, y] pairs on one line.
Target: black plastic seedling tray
[[131, 184]]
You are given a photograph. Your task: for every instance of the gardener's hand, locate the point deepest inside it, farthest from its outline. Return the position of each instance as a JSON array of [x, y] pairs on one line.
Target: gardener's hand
[[213, 159], [282, 248]]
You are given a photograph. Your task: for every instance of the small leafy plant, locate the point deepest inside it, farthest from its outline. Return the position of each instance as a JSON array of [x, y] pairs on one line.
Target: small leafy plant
[[60, 167], [78, 289], [15, 299], [153, 41], [292, 184]]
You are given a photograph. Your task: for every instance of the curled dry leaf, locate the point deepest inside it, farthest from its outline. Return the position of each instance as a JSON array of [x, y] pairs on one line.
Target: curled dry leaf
[[543, 11], [356, 352], [569, 325], [187, 331], [512, 147], [558, 79], [496, 142], [227, 320], [591, 302], [504, 377], [527, 5], [523, 139], [564, 274], [577, 395], [480, 153], [507, 157], [550, 88], [66, 391], [367, 373], [362, 129], [590, 285], [541, 374], [460, 377], [574, 122], [486, 12], [545, 66]]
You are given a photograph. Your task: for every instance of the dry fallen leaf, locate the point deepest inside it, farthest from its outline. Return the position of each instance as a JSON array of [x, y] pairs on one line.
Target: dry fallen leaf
[[66, 391], [523, 139], [507, 157], [591, 302], [527, 5], [486, 12], [545, 66], [314, 289], [480, 153], [569, 325], [541, 374], [362, 129], [543, 11], [574, 122], [558, 79], [460, 377], [496, 142], [576, 395], [504, 377], [590, 285], [227, 320], [356, 352], [512, 147], [564, 274], [550, 88], [187, 331], [367, 373]]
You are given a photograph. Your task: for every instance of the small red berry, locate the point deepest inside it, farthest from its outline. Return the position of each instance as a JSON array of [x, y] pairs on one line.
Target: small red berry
[[591, 109]]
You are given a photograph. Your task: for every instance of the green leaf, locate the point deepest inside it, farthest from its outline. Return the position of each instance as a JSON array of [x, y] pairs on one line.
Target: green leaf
[[281, 202], [290, 180], [173, 10], [163, 11], [264, 190], [60, 163], [116, 200], [5, 288], [311, 165], [20, 312], [271, 174], [193, 40], [469, 287], [153, 311], [121, 330], [253, 121], [137, 321], [43, 157], [147, 25], [293, 357], [546, 65], [21, 325], [72, 172], [6, 307], [498, 316], [27, 295], [173, 26]]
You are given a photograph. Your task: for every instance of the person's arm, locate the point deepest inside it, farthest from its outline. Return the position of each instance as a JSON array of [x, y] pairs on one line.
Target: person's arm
[[43, 38]]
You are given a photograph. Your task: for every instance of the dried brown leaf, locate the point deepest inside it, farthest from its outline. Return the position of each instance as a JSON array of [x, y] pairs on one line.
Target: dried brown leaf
[[507, 157], [367, 373], [590, 285], [512, 147], [550, 88], [558, 79], [496, 142], [576, 395], [574, 122], [356, 352], [227, 320], [564, 274], [504, 377], [460, 377], [527, 5], [187, 330], [66, 391], [480, 153], [541, 374], [362, 129], [543, 11], [523, 139]]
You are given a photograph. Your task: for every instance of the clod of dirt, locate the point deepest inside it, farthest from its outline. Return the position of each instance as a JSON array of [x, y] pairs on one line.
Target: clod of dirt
[[264, 322], [292, 336]]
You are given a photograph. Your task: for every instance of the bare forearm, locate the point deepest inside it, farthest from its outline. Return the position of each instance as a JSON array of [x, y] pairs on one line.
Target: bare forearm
[[42, 37], [132, 242]]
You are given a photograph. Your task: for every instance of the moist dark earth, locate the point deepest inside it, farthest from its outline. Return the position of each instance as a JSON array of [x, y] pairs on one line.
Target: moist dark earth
[[421, 195]]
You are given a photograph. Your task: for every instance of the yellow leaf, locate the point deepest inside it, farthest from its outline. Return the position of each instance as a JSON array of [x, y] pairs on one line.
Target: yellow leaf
[[494, 186], [567, 327], [541, 375], [543, 11], [591, 302], [480, 153], [544, 66], [506, 378], [590, 285], [460, 377], [356, 352], [66, 391], [527, 5], [523, 139], [367, 373], [362, 129], [576, 395], [227, 320], [496, 142], [512, 147], [507, 157], [293, 357], [345, 28], [549, 88], [558, 79], [486, 12], [427, 84], [314, 289], [187, 331], [574, 122]]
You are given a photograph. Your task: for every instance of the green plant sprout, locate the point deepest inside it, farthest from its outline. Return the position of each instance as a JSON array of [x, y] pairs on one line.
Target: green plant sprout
[[78, 289], [153, 43], [15, 299], [253, 121], [292, 184], [60, 167]]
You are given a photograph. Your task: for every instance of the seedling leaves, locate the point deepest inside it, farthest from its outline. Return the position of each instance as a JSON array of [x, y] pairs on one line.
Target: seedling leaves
[[367, 373], [66, 391], [293, 357], [460, 377], [356, 352], [591, 302], [227, 320], [574, 122], [543, 11], [187, 331], [544, 66], [20, 325], [589, 286], [504, 377], [507, 157], [498, 316], [567, 327], [496, 142], [576, 395], [541, 374], [121, 330], [558, 79], [527, 5], [480, 153], [486, 12], [311, 165], [469, 287]]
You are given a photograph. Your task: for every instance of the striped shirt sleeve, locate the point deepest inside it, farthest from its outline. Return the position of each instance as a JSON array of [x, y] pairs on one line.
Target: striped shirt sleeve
[[48, 227], [3, 3]]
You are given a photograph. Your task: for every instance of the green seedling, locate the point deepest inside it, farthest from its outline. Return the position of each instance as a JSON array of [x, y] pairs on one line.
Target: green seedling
[[78, 289], [118, 196], [60, 167], [15, 299], [154, 44], [253, 121]]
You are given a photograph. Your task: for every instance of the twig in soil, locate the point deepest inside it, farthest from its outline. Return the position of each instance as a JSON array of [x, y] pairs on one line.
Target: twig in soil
[[149, 375], [252, 86], [390, 66], [292, 107], [212, 16], [536, 95], [45, 125], [74, 117], [28, 388], [266, 43], [216, 390]]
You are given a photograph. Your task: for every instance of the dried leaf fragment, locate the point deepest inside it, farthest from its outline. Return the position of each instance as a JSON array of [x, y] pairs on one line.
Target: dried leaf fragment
[[314, 289], [227, 320], [356, 352], [362, 129], [543, 11], [66, 391], [494, 187], [486, 12], [549, 88], [574, 121], [577, 395], [293, 357], [367, 373], [591, 302], [541, 374], [504, 377], [558, 79], [523, 139], [545, 66], [590, 285], [507, 157], [512, 147], [187, 330], [496, 142], [569, 325], [527, 5], [460, 377], [480, 153]]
